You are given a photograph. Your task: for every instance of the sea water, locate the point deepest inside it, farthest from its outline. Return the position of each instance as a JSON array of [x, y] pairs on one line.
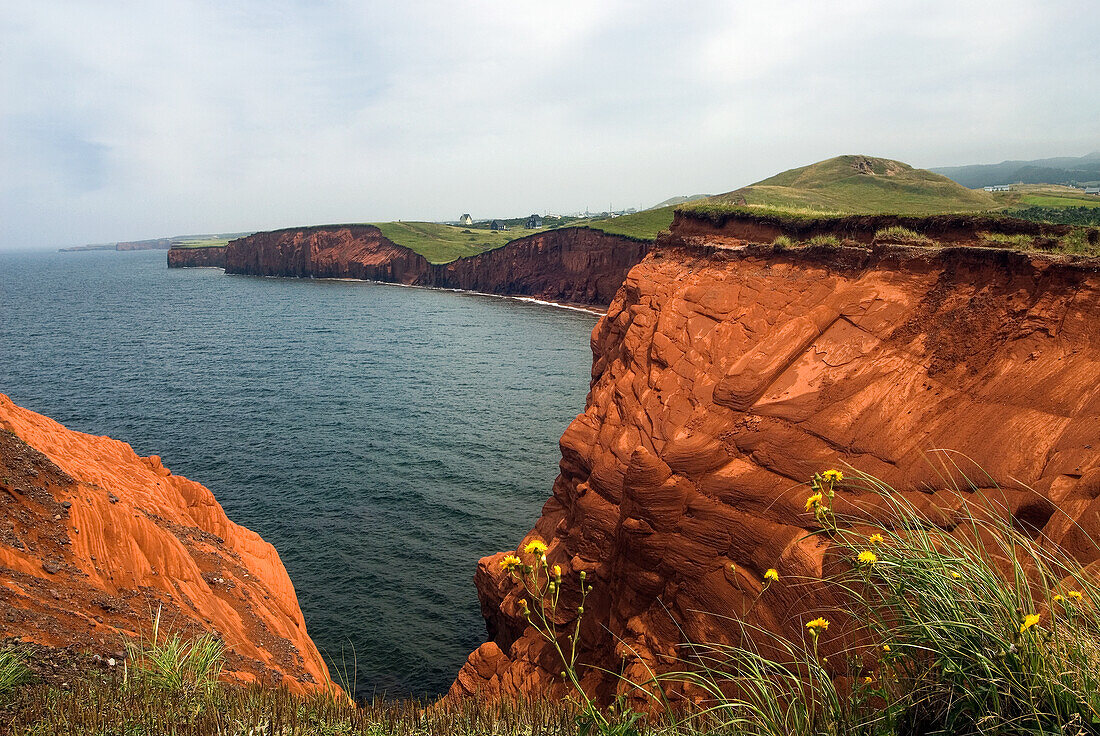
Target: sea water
[[382, 438]]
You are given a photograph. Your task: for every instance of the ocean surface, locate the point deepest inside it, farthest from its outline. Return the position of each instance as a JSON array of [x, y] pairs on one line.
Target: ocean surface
[[382, 438]]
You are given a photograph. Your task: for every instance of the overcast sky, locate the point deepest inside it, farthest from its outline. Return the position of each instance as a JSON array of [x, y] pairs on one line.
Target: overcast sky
[[128, 120]]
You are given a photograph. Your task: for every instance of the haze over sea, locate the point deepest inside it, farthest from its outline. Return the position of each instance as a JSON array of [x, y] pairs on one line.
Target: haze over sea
[[382, 438]]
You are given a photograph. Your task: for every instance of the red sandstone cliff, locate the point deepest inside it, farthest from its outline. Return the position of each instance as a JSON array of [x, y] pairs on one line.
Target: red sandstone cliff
[[572, 265], [725, 376], [336, 251], [212, 257], [94, 539]]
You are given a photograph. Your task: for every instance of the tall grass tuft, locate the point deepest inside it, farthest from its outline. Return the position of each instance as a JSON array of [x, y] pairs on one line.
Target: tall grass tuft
[[898, 234], [1002, 240], [13, 670], [169, 662]]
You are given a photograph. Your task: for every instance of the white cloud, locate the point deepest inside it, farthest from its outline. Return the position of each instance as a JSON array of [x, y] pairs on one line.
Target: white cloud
[[127, 119]]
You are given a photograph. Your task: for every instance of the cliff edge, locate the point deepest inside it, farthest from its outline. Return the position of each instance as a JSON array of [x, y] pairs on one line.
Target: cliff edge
[[94, 540], [726, 374]]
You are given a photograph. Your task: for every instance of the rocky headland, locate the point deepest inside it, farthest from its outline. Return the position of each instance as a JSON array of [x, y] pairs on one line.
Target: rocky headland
[[568, 265], [94, 540], [725, 374], [209, 257]]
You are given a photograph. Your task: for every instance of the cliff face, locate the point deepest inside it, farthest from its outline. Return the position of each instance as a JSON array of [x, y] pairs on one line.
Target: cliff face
[[212, 257], [93, 539], [723, 377], [353, 251], [574, 265]]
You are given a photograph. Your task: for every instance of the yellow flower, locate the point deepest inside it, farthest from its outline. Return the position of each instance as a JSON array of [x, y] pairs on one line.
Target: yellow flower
[[867, 557], [510, 562], [833, 476], [875, 539], [557, 571], [1074, 594], [956, 575], [813, 501], [1057, 598], [535, 547], [772, 574], [886, 647], [818, 623], [1029, 620], [868, 679]]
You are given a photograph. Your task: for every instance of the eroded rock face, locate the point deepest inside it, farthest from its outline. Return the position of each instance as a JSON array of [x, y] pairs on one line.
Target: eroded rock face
[[352, 251], [723, 378], [571, 265], [213, 257], [94, 539]]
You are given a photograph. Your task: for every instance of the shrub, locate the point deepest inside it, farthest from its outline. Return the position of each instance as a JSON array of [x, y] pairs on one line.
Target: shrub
[[898, 234]]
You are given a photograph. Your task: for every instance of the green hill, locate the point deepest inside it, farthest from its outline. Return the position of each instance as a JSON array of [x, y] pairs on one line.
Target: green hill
[[856, 185]]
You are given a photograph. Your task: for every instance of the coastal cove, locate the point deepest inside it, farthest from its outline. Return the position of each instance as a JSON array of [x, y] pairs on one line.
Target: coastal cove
[[382, 439]]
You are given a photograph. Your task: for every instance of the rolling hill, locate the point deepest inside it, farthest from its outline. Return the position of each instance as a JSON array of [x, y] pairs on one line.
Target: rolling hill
[[1061, 170], [855, 185]]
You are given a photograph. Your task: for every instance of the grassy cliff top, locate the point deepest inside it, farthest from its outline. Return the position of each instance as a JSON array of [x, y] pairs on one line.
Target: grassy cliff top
[[639, 226], [445, 243], [855, 185]]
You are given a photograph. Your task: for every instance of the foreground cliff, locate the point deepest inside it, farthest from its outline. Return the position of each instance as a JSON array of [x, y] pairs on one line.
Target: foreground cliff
[[725, 374], [94, 540], [570, 265]]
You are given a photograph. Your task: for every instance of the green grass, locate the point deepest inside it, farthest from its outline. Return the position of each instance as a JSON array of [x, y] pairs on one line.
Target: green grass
[[445, 243], [1047, 200], [91, 708], [857, 185], [640, 226], [898, 234], [13, 670], [1000, 240], [209, 242]]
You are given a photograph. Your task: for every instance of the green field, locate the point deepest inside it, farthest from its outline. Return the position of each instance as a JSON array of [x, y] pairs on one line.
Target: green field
[[215, 240], [1047, 200], [445, 243], [642, 225], [855, 185], [211, 242]]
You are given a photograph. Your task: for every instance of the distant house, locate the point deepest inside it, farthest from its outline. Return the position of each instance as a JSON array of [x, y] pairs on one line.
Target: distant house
[[465, 220], [1092, 190], [497, 225], [533, 222], [997, 188]]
